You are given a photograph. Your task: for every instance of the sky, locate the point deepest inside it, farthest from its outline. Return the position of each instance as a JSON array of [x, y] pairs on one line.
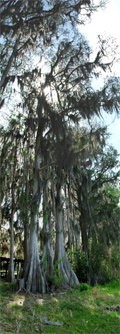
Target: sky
[[107, 23]]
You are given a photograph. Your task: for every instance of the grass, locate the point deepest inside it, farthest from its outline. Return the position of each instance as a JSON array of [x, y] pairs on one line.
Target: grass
[[78, 311]]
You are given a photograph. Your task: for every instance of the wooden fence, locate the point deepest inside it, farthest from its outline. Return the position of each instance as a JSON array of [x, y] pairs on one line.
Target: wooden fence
[[4, 266]]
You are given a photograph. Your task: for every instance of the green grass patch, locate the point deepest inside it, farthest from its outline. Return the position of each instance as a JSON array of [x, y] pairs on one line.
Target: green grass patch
[[92, 310]]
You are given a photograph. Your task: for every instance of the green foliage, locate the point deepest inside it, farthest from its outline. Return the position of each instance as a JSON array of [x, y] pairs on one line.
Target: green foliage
[[79, 264], [83, 287], [56, 279], [96, 257], [6, 288], [45, 261], [103, 263], [58, 276]]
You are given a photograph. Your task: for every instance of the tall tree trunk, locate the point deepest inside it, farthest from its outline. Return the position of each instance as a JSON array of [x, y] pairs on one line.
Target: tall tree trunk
[[25, 209], [11, 275], [34, 276], [84, 226], [8, 66], [82, 218], [84, 235], [26, 243], [1, 193], [48, 254], [65, 270]]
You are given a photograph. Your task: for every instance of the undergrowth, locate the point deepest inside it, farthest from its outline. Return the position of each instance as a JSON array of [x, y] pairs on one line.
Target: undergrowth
[[84, 310]]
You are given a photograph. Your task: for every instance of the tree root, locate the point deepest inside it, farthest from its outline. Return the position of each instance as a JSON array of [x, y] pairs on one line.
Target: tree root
[[45, 321]]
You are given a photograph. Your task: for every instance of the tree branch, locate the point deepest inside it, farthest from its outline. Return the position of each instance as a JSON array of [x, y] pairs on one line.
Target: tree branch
[[5, 73]]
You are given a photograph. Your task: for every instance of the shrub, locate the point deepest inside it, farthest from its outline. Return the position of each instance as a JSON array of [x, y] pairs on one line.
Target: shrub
[[79, 264], [84, 287], [104, 263]]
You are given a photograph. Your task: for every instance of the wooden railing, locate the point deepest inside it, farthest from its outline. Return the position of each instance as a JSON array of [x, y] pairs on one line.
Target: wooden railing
[[4, 266]]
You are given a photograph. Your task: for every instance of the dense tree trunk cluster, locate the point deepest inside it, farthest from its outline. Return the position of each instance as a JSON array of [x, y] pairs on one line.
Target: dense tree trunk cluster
[[51, 182]]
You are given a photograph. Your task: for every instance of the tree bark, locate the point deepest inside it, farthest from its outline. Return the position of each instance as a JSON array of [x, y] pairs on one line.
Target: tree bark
[[48, 253], [34, 275], [65, 270], [84, 235], [25, 212], [83, 226], [82, 218], [26, 243], [8, 66], [11, 275]]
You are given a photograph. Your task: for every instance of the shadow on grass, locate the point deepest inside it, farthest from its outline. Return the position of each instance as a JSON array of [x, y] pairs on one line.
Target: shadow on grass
[[23, 313]]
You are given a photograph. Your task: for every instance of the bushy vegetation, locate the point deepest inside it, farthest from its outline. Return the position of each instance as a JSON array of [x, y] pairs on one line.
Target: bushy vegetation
[[78, 262], [102, 266]]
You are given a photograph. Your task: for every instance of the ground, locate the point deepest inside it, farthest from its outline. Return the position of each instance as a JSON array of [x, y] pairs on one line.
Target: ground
[[95, 310]]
